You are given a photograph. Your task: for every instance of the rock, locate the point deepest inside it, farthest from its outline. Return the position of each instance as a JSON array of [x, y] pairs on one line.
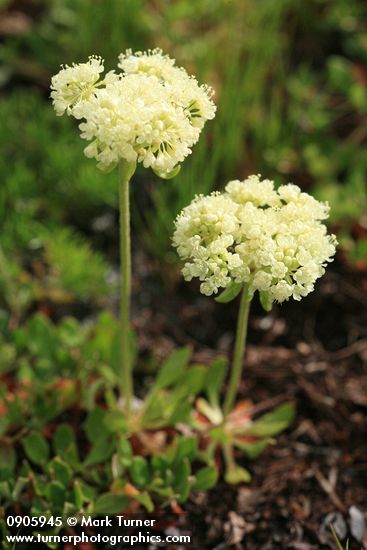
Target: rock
[[357, 523]]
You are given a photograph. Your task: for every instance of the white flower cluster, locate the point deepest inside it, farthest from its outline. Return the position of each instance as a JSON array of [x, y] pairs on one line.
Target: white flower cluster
[[274, 241], [186, 94], [152, 62], [74, 84], [152, 113]]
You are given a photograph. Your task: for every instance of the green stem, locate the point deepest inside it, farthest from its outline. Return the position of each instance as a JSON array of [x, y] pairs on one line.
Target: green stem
[[126, 171], [228, 457], [239, 350]]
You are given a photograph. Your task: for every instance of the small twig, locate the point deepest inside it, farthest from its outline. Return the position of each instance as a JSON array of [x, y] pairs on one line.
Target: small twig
[[315, 395], [352, 349], [328, 485]]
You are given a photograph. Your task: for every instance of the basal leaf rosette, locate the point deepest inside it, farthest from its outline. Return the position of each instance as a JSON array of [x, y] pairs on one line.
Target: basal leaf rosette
[[274, 241], [152, 112]]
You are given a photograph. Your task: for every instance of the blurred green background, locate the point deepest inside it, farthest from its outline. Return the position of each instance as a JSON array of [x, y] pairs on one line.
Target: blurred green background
[[291, 88]]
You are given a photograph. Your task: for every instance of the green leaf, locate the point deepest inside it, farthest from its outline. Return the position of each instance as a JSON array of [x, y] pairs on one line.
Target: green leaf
[[20, 484], [15, 413], [193, 380], [5, 490], [254, 449], [266, 300], [100, 452], [216, 374], [55, 494], [36, 448], [168, 175], [274, 422], [4, 425], [39, 507], [145, 500], [115, 421], [109, 503], [340, 73], [87, 492], [219, 435], [139, 471], [187, 447], [42, 338], [60, 471], [177, 405], [25, 469], [205, 479], [5, 473], [95, 425], [77, 495], [64, 443], [45, 407], [8, 456], [124, 452], [229, 293], [90, 392], [181, 482], [172, 368], [160, 464], [181, 413], [70, 333], [156, 408], [236, 474], [39, 483], [8, 354]]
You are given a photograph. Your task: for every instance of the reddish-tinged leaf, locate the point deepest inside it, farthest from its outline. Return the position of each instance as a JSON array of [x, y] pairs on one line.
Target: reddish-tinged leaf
[[130, 490]]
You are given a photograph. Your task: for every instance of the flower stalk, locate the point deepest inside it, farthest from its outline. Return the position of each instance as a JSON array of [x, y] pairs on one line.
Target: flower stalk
[[151, 112], [239, 351], [126, 171]]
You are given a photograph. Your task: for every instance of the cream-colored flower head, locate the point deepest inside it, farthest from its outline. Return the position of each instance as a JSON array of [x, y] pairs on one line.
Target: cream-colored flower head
[[75, 83], [152, 62], [133, 118], [205, 234], [271, 240], [195, 100], [152, 113]]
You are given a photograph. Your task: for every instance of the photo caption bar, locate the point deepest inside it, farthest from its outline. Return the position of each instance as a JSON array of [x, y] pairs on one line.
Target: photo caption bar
[[111, 530]]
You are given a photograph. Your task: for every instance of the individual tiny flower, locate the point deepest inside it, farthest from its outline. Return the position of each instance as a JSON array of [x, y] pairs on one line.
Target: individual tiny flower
[[273, 241], [151, 113], [75, 83]]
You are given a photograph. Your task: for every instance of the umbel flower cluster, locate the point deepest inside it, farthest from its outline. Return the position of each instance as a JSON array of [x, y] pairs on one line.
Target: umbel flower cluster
[[152, 112], [272, 240]]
